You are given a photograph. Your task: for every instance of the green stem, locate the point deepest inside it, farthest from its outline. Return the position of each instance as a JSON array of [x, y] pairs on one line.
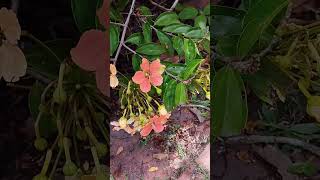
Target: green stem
[[36, 125], [46, 162], [91, 135], [55, 164], [96, 159], [66, 149]]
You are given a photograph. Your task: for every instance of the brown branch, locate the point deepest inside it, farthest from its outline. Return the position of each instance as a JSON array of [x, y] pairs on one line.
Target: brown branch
[[253, 139]]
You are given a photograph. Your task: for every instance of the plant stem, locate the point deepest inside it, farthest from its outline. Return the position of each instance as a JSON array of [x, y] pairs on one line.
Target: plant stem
[[46, 162]]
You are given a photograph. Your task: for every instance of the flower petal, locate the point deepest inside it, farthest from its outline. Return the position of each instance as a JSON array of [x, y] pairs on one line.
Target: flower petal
[[13, 64], [102, 80], [145, 65], [103, 13], [157, 127], [9, 24], [146, 130], [139, 77], [90, 50], [145, 86], [114, 123], [156, 79], [155, 67], [163, 119], [113, 69], [114, 82]]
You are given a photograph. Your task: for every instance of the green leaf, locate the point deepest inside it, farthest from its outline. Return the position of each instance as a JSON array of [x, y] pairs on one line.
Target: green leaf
[[225, 26], [195, 33], [306, 128], [114, 38], [206, 10], [84, 13], [166, 19], [181, 95], [227, 11], [190, 69], [177, 28], [303, 168], [44, 62], [147, 32], [122, 4], [229, 105], [260, 86], [145, 11], [115, 15], [151, 49], [255, 23], [136, 61], [135, 38], [201, 22], [178, 45], [190, 51], [165, 41], [227, 45], [169, 94], [188, 13]]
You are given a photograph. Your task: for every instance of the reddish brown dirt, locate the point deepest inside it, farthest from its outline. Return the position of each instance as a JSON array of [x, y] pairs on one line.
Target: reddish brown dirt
[[136, 159]]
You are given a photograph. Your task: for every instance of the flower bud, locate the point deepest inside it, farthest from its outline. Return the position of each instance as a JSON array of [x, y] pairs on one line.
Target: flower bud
[[59, 95], [69, 168], [159, 91], [40, 144], [81, 134], [162, 110], [123, 122], [313, 107], [101, 149]]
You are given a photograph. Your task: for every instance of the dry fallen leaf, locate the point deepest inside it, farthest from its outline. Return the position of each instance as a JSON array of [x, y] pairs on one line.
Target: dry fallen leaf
[[160, 156], [153, 169], [120, 149]]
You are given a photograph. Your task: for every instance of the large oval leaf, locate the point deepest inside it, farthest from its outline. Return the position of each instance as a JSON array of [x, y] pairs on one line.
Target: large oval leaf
[[256, 22], [188, 13], [177, 28], [166, 41], [177, 44], [151, 49], [166, 19], [114, 38], [192, 65], [181, 95], [229, 105], [135, 38], [189, 48], [169, 94], [84, 13]]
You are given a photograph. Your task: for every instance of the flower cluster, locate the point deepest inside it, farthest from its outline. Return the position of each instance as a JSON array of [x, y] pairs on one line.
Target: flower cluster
[[139, 108], [13, 64]]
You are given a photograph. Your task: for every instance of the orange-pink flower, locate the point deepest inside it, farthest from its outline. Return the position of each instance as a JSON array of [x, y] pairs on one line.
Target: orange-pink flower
[[156, 123], [150, 75]]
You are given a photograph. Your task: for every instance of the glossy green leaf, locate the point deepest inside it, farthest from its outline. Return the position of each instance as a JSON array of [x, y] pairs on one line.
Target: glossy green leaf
[[206, 10], [115, 15], [151, 49], [303, 168], [114, 38], [256, 21], [177, 28], [189, 48], [169, 94], [195, 33], [227, 45], [84, 13], [190, 69], [188, 13], [181, 94], [201, 22], [178, 45], [135, 38], [165, 41], [166, 19], [260, 86], [145, 11], [229, 105], [225, 26], [122, 4], [44, 62], [147, 32], [136, 61]]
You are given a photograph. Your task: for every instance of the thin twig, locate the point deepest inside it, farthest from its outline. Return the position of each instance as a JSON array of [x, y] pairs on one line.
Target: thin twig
[[131, 50], [273, 139], [38, 76], [119, 24], [124, 32], [174, 5], [159, 6]]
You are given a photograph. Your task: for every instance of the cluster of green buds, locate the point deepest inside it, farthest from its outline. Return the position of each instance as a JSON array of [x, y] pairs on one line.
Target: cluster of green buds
[[137, 108], [202, 82], [79, 111]]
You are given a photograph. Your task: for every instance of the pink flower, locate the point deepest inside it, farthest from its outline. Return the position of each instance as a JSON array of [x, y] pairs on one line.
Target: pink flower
[[156, 123], [150, 75]]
